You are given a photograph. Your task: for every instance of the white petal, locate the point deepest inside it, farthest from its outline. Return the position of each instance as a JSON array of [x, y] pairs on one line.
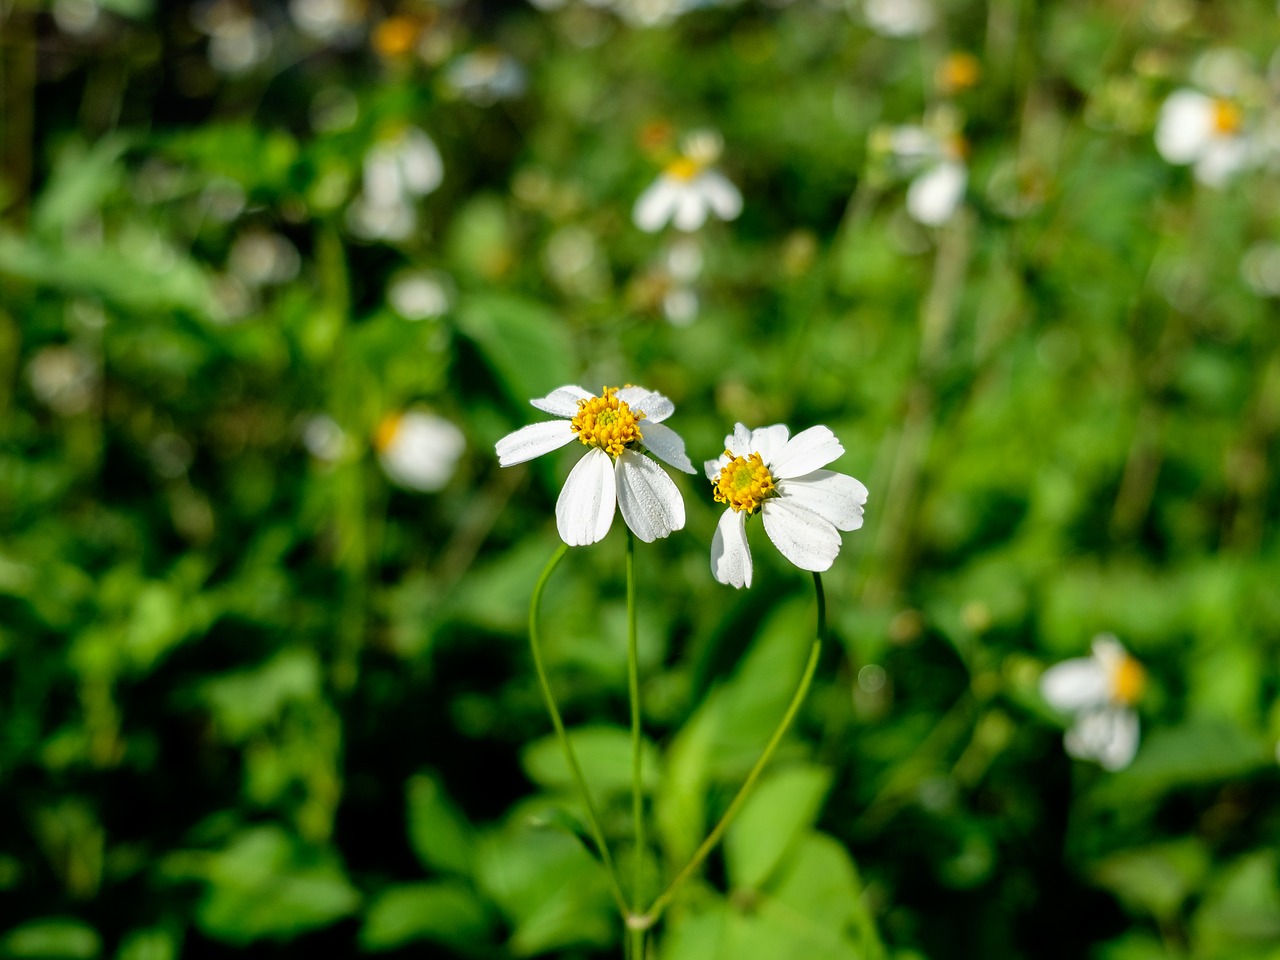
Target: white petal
[[836, 497], [1107, 735], [934, 195], [423, 452], [1078, 684], [738, 443], [420, 163], [1185, 126], [691, 210], [665, 444], [584, 511], [769, 441], [805, 452], [1221, 159], [912, 145], [533, 441], [712, 468], [562, 401], [730, 555], [1123, 742], [655, 206], [722, 196], [803, 537], [650, 502], [651, 403]]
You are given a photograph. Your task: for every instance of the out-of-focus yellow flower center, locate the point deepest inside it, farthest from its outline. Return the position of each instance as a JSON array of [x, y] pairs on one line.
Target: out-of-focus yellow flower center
[[744, 483], [960, 71], [395, 36], [1128, 680], [607, 422], [1227, 117], [683, 168], [385, 435]]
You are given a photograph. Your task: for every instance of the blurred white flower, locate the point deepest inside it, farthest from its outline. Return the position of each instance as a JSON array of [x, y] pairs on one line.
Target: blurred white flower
[[898, 18], [420, 295], [64, 379], [618, 426], [486, 76], [324, 439], [261, 257], [935, 162], [1100, 690], [688, 190], [804, 507], [1206, 132], [77, 17], [327, 21], [238, 41], [397, 171], [419, 450]]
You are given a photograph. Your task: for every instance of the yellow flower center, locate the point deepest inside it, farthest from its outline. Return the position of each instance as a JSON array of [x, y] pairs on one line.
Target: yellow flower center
[[1128, 681], [683, 168], [744, 483], [396, 36], [1227, 117], [385, 435], [959, 71], [607, 422]]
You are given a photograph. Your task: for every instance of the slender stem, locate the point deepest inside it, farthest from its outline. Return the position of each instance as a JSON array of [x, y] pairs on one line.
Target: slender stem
[[633, 681], [593, 817], [635, 942], [651, 916]]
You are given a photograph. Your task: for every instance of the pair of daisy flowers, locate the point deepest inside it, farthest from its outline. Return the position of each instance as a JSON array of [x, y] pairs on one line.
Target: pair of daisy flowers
[[765, 471]]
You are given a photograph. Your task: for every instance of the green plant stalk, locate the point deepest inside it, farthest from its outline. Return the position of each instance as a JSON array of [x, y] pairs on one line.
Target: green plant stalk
[[635, 936], [593, 817], [651, 916]]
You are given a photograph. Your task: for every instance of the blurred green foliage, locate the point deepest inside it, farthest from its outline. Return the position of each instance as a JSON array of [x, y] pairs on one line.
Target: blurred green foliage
[[256, 696]]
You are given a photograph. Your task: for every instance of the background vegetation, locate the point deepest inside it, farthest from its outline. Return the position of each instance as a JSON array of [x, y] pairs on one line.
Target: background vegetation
[[257, 698]]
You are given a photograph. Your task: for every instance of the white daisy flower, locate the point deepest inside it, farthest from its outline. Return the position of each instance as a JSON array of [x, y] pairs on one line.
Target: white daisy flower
[[939, 175], [899, 18], [396, 172], [486, 76], [780, 476], [1100, 690], [688, 190], [418, 450], [618, 426], [1206, 132]]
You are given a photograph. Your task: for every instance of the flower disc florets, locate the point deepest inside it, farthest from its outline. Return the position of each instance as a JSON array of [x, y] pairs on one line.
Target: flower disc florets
[[1128, 680], [744, 483], [607, 422]]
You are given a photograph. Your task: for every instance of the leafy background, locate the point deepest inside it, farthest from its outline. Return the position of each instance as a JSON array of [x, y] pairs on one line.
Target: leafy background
[[261, 701]]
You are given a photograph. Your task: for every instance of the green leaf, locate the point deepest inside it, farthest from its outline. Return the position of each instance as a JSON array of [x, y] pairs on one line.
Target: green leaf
[[1198, 751], [82, 178], [527, 346], [248, 700], [604, 753], [130, 279], [820, 883], [51, 938], [447, 912], [1242, 908], [438, 832], [154, 944], [783, 804], [265, 883], [1155, 879], [552, 891]]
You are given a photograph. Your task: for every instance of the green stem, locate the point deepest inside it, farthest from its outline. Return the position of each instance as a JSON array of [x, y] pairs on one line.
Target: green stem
[[593, 818], [651, 916], [633, 681]]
